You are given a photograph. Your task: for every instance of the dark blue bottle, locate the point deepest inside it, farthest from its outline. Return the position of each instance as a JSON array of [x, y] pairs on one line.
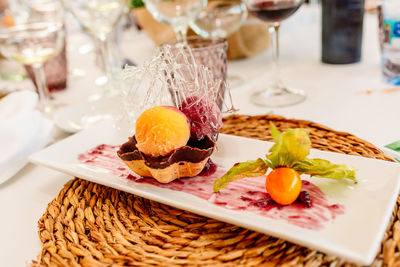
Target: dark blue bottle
[[342, 23]]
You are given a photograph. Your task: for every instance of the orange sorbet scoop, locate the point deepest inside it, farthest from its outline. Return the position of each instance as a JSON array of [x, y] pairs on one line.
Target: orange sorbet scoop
[[160, 130]]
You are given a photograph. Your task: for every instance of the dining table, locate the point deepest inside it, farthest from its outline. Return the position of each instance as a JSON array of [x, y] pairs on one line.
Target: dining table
[[351, 98]]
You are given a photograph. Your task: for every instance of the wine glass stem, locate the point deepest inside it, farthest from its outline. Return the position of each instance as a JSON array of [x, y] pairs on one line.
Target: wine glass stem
[[40, 78], [181, 33], [105, 58], [274, 30]]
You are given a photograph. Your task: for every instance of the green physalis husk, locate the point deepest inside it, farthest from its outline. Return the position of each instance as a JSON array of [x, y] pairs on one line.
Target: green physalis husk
[[250, 168], [324, 169], [291, 149]]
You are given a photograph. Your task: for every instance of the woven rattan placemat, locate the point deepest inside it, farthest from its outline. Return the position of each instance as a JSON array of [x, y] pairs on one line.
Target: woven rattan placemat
[[92, 225]]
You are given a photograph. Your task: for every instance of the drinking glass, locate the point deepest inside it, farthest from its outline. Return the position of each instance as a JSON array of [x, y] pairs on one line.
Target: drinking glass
[[177, 13], [55, 70], [10, 70], [220, 18], [32, 44], [211, 53], [273, 12], [99, 18]]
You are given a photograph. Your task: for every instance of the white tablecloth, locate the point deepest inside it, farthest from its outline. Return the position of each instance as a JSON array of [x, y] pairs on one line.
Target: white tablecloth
[[336, 98]]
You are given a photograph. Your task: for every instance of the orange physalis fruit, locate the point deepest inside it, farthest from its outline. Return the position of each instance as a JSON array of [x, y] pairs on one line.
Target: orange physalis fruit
[[284, 185]]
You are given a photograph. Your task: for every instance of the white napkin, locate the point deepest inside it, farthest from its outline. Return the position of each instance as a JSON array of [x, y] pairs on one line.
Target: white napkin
[[23, 131], [17, 103]]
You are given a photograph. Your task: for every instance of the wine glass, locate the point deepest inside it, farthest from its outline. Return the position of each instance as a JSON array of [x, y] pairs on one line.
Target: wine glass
[[177, 13], [273, 12], [220, 19], [32, 44], [99, 18]]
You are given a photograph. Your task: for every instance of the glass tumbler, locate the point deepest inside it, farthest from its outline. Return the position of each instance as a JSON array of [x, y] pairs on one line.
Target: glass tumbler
[[211, 53], [55, 70]]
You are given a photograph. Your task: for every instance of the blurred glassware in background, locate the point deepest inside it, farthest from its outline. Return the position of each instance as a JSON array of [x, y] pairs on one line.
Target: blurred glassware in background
[[177, 13], [55, 68], [342, 25], [45, 10], [389, 28], [31, 41], [210, 53], [9, 69], [56, 71], [220, 18], [273, 12], [99, 18]]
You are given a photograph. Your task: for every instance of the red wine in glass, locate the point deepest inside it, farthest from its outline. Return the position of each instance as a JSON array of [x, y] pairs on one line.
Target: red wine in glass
[[274, 11]]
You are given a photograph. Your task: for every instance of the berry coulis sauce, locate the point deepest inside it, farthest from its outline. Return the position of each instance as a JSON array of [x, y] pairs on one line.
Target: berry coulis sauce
[[311, 210]]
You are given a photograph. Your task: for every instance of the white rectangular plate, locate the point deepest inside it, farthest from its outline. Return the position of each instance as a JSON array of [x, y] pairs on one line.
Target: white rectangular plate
[[355, 235]]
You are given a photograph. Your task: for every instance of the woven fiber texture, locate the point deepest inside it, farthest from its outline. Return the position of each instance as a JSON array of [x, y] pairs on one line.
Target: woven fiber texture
[[92, 225]]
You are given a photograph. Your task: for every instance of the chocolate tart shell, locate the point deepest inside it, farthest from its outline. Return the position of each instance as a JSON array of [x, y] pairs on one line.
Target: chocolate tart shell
[[186, 161]]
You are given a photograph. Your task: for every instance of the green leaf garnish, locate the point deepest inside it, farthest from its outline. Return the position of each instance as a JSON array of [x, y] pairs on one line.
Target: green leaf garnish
[[324, 169], [251, 168], [290, 147]]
